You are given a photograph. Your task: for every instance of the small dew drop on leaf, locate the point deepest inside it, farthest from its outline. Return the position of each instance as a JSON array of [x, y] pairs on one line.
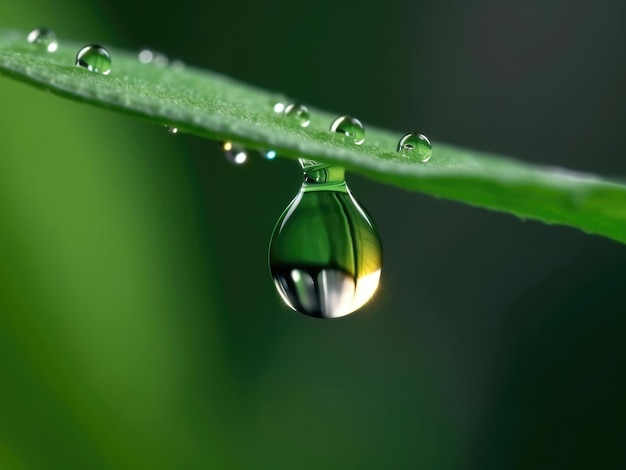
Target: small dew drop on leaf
[[279, 102], [94, 58], [234, 154], [270, 155], [147, 56], [172, 130], [44, 38], [325, 253], [351, 127], [415, 145], [177, 64], [299, 113], [160, 60]]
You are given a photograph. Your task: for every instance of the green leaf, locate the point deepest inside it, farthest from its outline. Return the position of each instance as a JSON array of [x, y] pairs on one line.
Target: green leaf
[[214, 106]]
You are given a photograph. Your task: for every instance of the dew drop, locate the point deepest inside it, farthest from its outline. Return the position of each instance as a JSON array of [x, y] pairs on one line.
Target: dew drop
[[351, 127], [415, 145], [145, 56], [172, 130], [279, 107], [94, 58], [270, 154], [160, 60], [279, 102], [325, 254], [44, 38], [234, 153], [299, 113], [177, 64]]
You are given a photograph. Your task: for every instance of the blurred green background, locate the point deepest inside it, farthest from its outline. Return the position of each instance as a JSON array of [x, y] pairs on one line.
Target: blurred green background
[[139, 326]]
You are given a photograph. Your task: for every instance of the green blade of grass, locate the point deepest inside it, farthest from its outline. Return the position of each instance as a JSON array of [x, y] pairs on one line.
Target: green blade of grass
[[214, 106]]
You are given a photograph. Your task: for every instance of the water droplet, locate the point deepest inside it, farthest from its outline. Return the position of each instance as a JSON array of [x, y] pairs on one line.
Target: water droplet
[[44, 38], [172, 130], [279, 102], [178, 64], [270, 154], [299, 113], [94, 58], [279, 107], [325, 254], [234, 153], [351, 127], [145, 56], [417, 145], [160, 60]]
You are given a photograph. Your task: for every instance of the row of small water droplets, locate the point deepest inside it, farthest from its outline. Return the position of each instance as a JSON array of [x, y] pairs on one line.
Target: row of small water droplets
[[94, 57], [413, 144]]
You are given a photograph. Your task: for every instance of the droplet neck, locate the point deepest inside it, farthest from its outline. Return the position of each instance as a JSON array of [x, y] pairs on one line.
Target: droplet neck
[[322, 176]]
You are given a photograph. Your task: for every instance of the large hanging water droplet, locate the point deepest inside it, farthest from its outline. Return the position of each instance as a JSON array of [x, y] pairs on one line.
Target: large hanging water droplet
[[234, 153], [416, 146], [325, 254], [299, 113], [44, 38], [94, 58], [351, 127]]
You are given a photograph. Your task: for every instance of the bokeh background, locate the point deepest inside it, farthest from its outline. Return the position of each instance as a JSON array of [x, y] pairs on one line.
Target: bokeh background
[[139, 326]]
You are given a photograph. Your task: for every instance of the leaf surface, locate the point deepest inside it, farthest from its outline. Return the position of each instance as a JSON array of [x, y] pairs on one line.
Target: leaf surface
[[211, 105]]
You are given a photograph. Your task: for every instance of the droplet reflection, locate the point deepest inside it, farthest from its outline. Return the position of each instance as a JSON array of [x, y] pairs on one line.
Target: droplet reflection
[[234, 154]]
